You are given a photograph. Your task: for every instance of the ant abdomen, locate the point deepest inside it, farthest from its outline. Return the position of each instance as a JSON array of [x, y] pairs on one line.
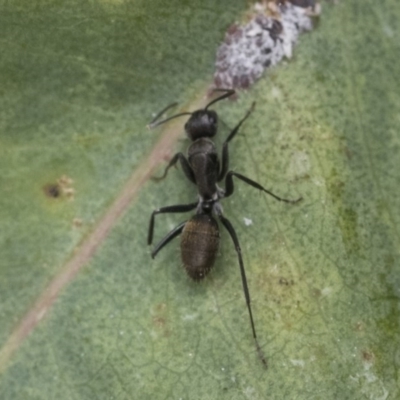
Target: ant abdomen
[[199, 245]]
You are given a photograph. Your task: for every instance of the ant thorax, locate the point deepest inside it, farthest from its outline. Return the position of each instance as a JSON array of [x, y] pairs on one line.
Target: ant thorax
[[202, 145], [204, 162], [211, 206]]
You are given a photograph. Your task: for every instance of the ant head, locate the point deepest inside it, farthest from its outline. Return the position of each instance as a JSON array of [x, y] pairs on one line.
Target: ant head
[[202, 123]]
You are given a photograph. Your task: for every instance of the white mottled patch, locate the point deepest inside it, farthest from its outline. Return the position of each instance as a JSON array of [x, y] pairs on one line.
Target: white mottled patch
[[247, 221], [263, 42], [249, 392], [326, 291], [318, 181], [298, 363], [276, 93], [189, 317], [370, 385], [388, 31], [299, 164]]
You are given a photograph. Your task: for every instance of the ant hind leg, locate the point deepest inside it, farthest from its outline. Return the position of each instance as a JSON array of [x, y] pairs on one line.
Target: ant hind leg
[[228, 226], [179, 208], [167, 238]]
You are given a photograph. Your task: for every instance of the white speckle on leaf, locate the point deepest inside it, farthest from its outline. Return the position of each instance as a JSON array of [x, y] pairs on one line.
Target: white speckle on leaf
[[249, 392], [276, 93], [388, 31], [369, 384], [317, 181], [298, 363], [326, 291], [189, 317], [247, 221], [299, 164], [171, 225], [153, 334]]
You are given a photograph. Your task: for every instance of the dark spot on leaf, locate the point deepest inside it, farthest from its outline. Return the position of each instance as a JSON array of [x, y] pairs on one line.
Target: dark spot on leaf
[[77, 222], [159, 322], [348, 223], [161, 307], [335, 186], [52, 190], [286, 282], [316, 292], [303, 3], [359, 326], [320, 77], [367, 356]]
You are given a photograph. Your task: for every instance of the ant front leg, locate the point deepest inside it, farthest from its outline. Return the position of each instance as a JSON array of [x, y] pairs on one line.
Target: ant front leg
[[229, 187], [187, 169], [225, 153], [179, 208]]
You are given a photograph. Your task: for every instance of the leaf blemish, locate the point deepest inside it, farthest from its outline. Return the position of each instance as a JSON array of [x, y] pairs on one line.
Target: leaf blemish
[[52, 190], [367, 356], [62, 187], [286, 282], [263, 42]]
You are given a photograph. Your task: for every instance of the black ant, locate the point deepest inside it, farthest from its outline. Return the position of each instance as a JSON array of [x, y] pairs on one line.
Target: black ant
[[200, 234]]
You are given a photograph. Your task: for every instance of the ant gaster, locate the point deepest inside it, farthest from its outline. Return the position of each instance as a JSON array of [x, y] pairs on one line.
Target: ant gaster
[[200, 234]]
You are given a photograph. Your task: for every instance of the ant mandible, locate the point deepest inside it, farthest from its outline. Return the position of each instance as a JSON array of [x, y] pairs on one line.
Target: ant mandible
[[200, 234]]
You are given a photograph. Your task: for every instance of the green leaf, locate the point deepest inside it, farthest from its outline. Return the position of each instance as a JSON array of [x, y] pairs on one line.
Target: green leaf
[[79, 82]]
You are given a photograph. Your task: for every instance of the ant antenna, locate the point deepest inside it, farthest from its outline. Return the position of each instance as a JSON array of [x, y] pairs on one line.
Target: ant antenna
[[162, 112], [228, 93], [153, 124]]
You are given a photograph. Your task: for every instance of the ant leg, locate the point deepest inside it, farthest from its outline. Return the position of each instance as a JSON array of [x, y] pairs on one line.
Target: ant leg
[[168, 237], [179, 208], [229, 187], [225, 153], [235, 240], [187, 169]]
